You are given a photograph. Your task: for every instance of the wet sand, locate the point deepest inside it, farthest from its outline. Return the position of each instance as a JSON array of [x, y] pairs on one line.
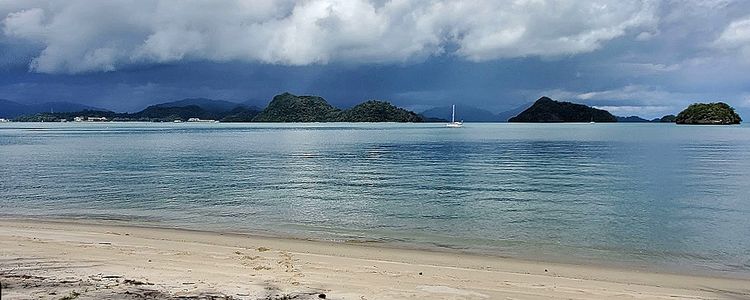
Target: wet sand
[[70, 260]]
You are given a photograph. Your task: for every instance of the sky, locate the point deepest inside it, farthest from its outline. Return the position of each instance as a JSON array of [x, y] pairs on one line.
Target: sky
[[646, 58]]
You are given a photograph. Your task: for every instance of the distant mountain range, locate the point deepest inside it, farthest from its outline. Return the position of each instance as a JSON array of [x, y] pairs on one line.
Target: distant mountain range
[[10, 109], [285, 107], [183, 110], [463, 112], [631, 119], [202, 108], [207, 104], [472, 114]]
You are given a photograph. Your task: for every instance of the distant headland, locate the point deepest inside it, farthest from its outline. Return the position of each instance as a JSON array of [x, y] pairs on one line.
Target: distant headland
[[287, 107], [546, 110]]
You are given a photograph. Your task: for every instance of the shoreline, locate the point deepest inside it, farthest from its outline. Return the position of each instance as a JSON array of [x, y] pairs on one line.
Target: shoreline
[[556, 258], [246, 266]]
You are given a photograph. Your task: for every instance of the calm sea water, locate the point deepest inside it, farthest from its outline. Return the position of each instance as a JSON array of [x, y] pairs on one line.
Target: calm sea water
[[640, 194]]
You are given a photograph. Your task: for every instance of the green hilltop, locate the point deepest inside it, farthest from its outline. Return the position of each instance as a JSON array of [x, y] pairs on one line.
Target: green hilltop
[[377, 111], [285, 107], [291, 108], [546, 110], [288, 107], [718, 113]]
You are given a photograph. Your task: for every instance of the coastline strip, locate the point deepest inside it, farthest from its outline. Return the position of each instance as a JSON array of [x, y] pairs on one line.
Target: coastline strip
[[55, 259]]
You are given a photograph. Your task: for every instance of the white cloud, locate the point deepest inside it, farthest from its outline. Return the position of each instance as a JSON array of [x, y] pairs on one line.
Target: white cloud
[[646, 36], [647, 111], [25, 23], [644, 94], [640, 100], [649, 101], [646, 68], [91, 35], [736, 36]]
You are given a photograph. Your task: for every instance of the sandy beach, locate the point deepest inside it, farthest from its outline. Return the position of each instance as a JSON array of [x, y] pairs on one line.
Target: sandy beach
[[68, 260]]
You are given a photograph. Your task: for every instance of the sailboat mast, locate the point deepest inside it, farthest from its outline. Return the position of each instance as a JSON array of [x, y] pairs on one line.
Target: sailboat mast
[[453, 114]]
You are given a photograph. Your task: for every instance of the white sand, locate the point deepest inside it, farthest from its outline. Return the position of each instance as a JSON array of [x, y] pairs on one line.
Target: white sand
[[53, 260]]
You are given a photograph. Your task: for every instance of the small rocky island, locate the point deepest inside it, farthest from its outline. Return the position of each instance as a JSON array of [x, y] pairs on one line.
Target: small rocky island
[[291, 108], [378, 111], [718, 113], [546, 110]]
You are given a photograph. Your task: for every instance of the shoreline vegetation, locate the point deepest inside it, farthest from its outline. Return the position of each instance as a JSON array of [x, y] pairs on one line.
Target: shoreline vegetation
[[58, 259], [709, 114], [287, 107]]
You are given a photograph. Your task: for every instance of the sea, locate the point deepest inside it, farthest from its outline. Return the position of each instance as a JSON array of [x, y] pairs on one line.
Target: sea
[[642, 195]]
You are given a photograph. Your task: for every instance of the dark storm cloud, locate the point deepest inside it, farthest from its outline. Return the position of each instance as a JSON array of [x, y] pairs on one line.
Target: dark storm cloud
[[631, 57]]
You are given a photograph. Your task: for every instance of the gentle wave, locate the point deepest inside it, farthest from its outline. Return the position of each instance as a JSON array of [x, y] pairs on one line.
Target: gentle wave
[[668, 196]]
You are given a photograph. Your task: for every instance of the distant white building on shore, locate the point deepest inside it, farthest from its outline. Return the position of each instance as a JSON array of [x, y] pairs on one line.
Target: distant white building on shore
[[90, 119], [4, 120], [200, 120]]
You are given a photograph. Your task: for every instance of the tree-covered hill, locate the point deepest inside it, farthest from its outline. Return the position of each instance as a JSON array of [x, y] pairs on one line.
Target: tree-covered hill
[[718, 113], [377, 111], [546, 110], [283, 108], [291, 108]]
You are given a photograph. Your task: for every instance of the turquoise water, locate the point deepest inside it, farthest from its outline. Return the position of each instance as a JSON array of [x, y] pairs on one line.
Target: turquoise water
[[656, 195]]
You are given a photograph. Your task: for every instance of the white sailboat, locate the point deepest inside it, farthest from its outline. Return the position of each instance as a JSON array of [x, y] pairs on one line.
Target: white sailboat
[[453, 123]]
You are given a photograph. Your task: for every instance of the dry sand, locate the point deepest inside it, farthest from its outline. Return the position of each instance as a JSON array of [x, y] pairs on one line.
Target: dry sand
[[66, 260]]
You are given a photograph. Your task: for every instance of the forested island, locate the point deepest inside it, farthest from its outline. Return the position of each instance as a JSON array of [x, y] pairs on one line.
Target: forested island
[[288, 107], [718, 113], [291, 108], [546, 110], [285, 107]]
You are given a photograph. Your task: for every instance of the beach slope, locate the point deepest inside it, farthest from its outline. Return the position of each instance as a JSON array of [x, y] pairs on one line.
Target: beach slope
[[67, 260]]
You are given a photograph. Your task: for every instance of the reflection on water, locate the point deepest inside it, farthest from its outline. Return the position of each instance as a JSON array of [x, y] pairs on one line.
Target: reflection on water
[[633, 193]]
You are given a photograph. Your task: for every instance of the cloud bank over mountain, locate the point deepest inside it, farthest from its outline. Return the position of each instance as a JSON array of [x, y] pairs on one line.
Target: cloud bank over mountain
[[87, 35], [637, 57]]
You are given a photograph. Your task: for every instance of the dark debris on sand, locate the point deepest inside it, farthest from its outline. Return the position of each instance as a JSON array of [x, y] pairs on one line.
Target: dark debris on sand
[[115, 287]]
